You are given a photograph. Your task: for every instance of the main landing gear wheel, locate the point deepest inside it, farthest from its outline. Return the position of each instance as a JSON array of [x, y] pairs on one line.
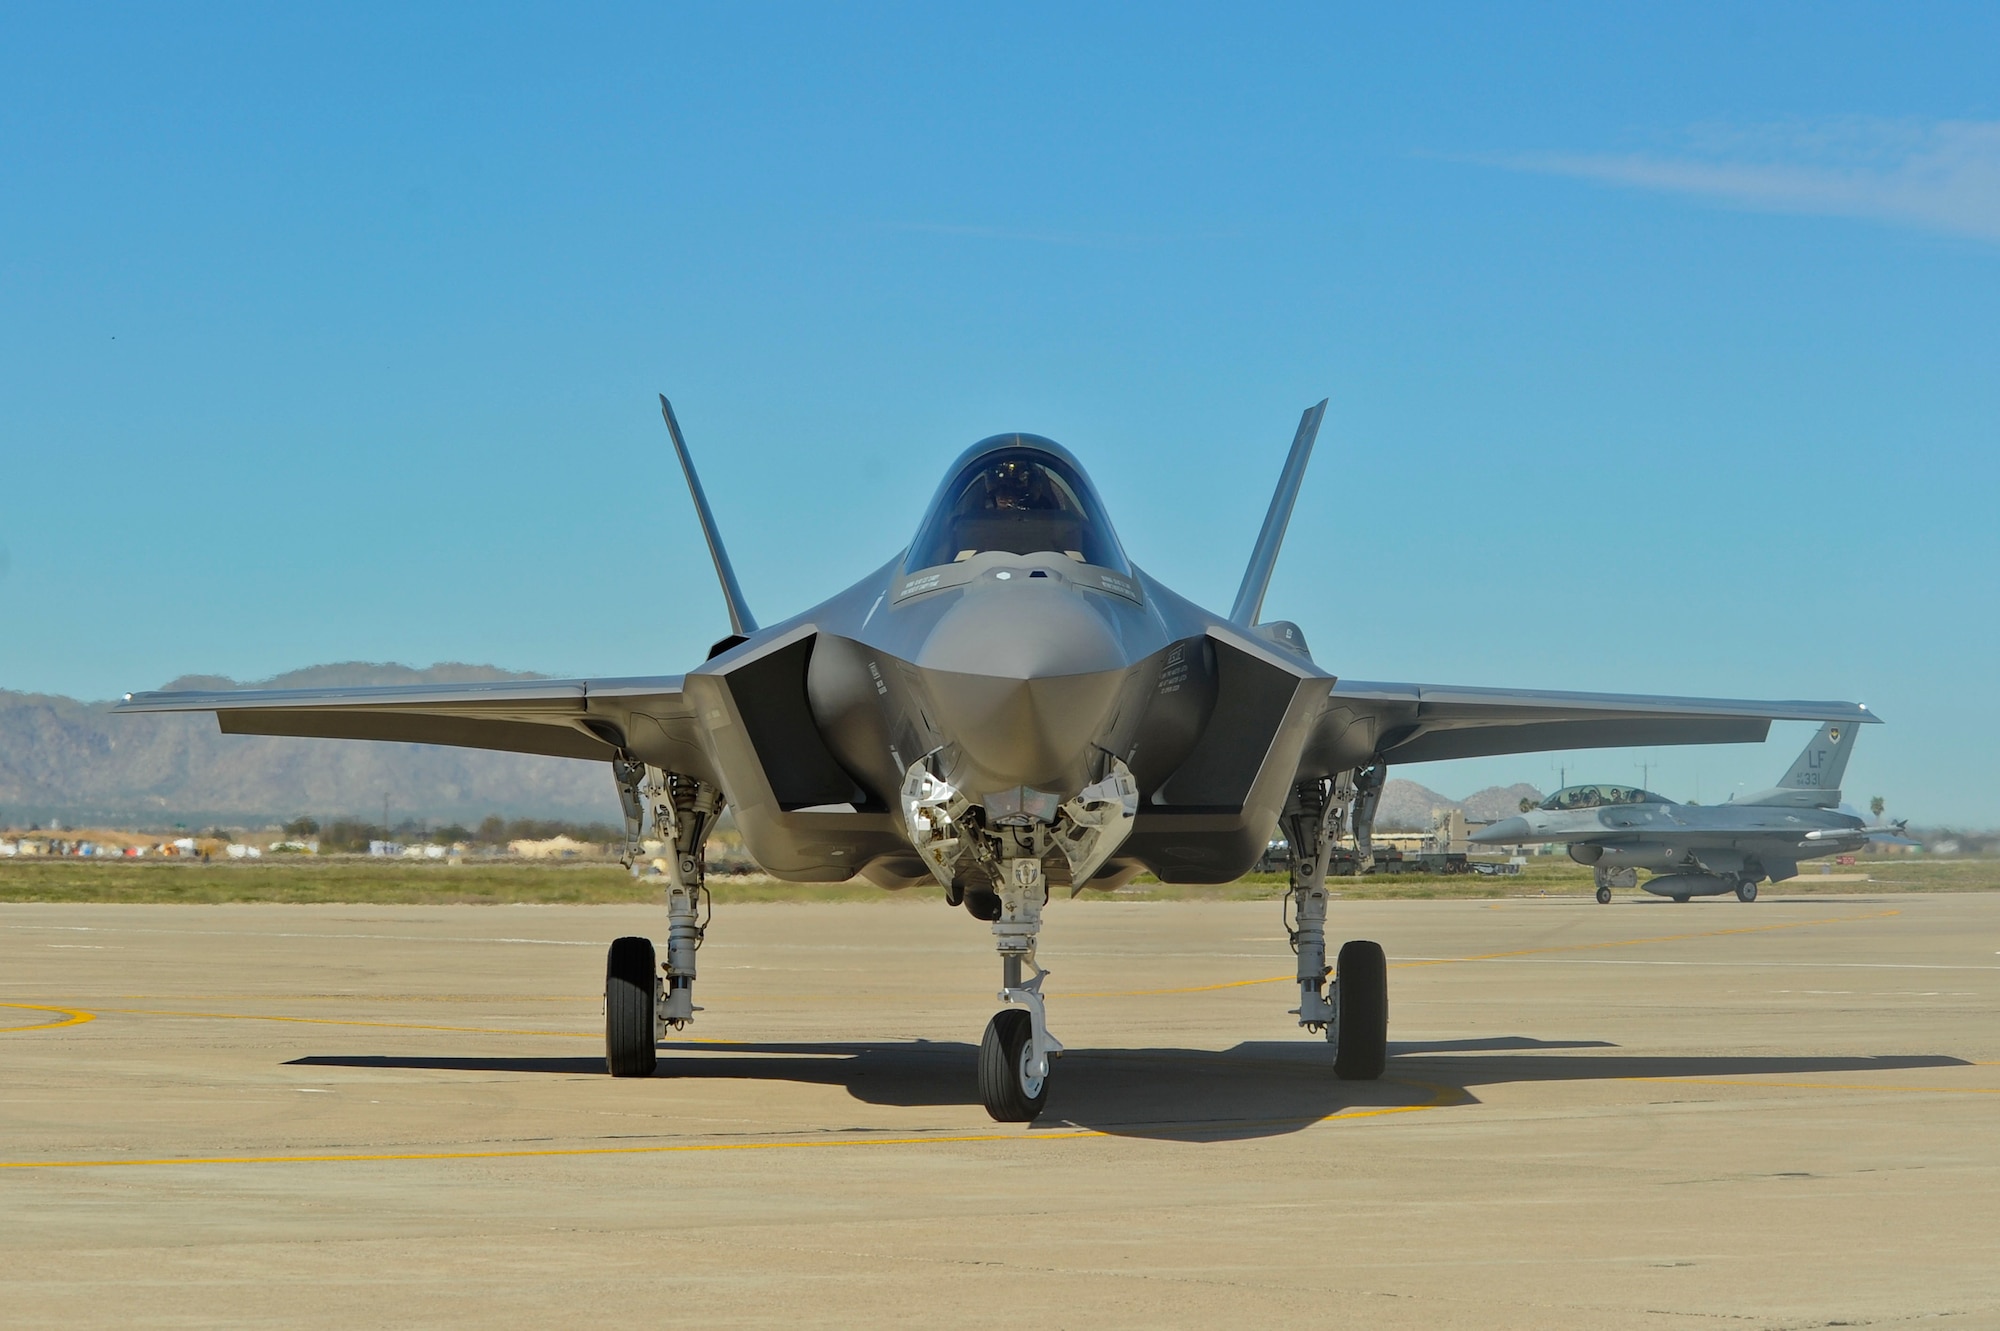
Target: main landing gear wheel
[[1680, 898], [1603, 896], [1746, 891], [1006, 1084], [1360, 1030], [631, 1041]]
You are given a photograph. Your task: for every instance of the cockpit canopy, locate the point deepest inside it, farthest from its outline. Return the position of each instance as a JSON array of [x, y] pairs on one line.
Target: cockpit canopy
[[1021, 494], [1596, 797]]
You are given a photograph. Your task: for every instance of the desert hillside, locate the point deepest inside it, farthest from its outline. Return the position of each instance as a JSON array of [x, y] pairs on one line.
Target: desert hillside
[[75, 761]]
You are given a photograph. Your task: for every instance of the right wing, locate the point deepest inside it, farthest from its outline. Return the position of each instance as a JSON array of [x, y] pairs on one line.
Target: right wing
[[562, 718], [1416, 723]]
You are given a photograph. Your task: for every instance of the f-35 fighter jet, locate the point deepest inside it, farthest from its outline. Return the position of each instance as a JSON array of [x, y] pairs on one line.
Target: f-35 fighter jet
[[1007, 704], [1702, 850]]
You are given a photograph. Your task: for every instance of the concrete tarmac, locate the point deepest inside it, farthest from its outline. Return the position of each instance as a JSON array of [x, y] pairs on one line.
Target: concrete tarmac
[[1785, 1114]]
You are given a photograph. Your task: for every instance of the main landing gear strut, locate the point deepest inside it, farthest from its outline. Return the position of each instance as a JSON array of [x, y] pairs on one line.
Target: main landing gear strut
[[1352, 1007], [642, 998]]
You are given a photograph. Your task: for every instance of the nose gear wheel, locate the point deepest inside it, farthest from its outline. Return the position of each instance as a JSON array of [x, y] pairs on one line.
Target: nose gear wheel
[[1008, 1084]]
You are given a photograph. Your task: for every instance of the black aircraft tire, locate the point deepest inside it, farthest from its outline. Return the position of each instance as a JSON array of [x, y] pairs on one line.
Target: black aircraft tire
[[1004, 1086], [1603, 896], [1746, 891], [1361, 1038], [631, 1047], [1680, 898]]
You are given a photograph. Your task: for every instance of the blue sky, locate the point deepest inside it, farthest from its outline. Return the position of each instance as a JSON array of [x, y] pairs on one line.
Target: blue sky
[[1663, 346]]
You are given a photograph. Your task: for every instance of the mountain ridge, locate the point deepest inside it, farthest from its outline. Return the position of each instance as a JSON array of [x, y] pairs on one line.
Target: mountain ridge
[[78, 761]]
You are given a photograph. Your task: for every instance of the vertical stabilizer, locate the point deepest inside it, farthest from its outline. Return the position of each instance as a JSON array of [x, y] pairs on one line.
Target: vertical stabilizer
[[1264, 556], [741, 621], [1815, 775]]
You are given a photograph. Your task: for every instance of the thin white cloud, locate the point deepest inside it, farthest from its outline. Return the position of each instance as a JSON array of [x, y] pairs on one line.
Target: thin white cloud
[[1942, 176]]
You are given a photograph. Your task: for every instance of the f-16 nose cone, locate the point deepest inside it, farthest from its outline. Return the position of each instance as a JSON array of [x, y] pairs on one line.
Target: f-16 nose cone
[[1023, 676], [1506, 832]]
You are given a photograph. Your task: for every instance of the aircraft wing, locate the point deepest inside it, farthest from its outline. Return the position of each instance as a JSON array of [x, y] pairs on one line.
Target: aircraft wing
[[1415, 723], [562, 718]]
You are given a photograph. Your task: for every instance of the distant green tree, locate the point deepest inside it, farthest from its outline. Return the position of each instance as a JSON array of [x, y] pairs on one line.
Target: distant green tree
[[302, 827], [1526, 804], [348, 836], [1876, 805]]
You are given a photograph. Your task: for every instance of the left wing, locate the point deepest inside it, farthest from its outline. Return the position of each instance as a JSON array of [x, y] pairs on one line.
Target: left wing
[[1416, 723], [562, 718]]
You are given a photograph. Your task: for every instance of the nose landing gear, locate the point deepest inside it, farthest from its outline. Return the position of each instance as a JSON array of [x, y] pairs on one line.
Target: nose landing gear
[[1016, 1052]]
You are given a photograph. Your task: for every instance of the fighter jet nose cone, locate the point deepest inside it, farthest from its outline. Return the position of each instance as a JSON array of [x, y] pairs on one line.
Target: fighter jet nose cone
[[1023, 679], [1506, 832], [1022, 627]]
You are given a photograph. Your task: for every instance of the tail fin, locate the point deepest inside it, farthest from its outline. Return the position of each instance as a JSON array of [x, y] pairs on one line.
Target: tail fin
[[741, 621], [1815, 775], [1264, 556]]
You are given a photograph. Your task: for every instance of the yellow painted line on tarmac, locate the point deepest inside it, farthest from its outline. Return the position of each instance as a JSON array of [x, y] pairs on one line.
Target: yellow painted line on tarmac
[[1441, 1097], [72, 1016], [1829, 1086], [340, 1021], [363, 998], [1498, 956]]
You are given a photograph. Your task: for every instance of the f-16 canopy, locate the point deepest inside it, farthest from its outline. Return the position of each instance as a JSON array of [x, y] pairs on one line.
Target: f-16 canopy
[[1597, 796]]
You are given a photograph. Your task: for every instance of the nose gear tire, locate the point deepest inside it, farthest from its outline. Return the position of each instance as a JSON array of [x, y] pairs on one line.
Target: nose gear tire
[[1361, 1035], [1005, 1088], [631, 1047], [1603, 896]]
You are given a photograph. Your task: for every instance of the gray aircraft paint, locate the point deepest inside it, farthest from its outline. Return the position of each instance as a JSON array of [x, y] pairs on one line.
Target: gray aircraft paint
[[1705, 850], [1020, 676]]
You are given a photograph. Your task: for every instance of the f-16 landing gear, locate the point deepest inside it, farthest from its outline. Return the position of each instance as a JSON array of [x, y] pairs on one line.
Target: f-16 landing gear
[[1607, 878], [640, 1002], [1353, 1009], [1746, 889]]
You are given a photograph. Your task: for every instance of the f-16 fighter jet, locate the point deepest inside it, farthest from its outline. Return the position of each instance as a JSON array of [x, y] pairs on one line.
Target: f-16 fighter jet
[[1006, 705], [1702, 850]]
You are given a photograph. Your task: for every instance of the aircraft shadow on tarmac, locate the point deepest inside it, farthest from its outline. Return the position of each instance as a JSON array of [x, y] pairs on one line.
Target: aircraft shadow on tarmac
[[1257, 1089]]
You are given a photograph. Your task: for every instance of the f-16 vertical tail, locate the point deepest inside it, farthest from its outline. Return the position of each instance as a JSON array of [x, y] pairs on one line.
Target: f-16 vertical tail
[[1264, 556], [1815, 775]]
